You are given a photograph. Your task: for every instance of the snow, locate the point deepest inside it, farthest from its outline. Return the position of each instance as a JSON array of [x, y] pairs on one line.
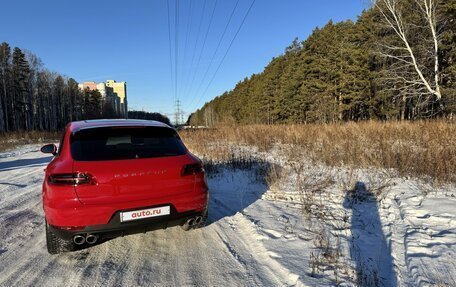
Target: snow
[[258, 235]]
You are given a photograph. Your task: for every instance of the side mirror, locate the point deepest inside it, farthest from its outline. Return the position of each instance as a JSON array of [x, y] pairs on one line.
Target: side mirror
[[49, 148]]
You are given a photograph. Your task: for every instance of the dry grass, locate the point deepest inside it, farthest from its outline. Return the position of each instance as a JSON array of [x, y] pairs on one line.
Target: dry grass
[[425, 149], [12, 140], [307, 173]]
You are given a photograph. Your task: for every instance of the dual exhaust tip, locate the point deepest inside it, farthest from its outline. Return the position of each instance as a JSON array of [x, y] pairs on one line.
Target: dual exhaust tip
[[92, 239], [81, 239], [192, 222]]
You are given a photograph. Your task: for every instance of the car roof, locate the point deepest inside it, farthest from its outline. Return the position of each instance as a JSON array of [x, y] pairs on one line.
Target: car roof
[[87, 124]]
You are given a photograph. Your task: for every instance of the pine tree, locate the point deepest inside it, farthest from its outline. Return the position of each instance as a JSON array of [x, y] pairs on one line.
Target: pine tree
[[339, 74], [5, 58], [21, 90]]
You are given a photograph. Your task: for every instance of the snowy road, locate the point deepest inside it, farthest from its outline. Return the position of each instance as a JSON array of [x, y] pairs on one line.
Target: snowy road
[[227, 252], [255, 237]]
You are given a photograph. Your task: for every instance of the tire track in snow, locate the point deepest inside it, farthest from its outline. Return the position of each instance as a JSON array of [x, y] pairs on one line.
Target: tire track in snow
[[251, 253], [169, 257], [254, 253]]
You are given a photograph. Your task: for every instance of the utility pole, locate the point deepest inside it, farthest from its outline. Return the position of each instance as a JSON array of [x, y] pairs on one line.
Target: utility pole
[[178, 117]]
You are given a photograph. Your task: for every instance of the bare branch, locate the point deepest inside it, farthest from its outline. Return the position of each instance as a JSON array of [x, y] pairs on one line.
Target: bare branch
[[391, 12]]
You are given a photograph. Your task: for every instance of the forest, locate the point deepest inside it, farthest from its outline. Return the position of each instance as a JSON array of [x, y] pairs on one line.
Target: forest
[[396, 62], [142, 115], [34, 98]]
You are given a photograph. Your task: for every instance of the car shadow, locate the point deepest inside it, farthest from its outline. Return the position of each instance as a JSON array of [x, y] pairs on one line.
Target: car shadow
[[369, 248], [235, 184], [24, 163]]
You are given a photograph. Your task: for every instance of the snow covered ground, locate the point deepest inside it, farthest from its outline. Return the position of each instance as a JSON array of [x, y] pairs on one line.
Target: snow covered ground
[[290, 234]]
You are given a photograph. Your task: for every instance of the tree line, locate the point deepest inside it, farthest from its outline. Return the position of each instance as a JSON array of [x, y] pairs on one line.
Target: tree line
[[142, 115], [34, 98], [396, 62]]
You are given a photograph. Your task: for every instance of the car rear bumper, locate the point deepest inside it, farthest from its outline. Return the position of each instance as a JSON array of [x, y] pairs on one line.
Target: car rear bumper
[[115, 228], [72, 213]]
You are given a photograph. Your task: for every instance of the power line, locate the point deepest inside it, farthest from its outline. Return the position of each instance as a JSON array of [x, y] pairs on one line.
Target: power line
[[196, 44], [216, 50], [176, 43], [204, 44], [226, 53], [189, 24], [170, 49]]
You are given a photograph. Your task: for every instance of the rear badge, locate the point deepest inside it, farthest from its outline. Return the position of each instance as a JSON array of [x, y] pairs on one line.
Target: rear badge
[[141, 173], [144, 213]]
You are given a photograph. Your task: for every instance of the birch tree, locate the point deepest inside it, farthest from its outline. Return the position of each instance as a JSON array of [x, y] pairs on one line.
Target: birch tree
[[413, 52]]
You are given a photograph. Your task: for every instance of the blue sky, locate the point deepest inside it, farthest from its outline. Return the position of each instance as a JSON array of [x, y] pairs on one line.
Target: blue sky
[[129, 41]]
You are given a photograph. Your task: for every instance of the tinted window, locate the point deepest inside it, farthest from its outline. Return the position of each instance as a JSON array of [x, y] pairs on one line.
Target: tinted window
[[115, 143]]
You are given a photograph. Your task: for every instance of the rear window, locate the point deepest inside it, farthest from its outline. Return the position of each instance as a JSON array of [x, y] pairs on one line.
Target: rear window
[[116, 143]]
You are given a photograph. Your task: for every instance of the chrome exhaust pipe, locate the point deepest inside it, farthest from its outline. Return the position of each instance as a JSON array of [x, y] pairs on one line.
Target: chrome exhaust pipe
[[191, 222], [79, 239], [91, 239]]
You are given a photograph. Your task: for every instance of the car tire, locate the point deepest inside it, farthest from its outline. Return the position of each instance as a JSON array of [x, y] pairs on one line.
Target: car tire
[[56, 245]]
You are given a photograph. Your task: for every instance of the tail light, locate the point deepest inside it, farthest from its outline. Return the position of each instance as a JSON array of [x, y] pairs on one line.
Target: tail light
[[192, 169], [71, 179]]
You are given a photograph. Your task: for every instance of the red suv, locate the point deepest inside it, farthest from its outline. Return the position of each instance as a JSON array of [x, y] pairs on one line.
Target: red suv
[[110, 178]]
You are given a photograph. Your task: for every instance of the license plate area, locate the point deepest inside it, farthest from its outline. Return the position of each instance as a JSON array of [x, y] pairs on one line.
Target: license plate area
[[144, 213]]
